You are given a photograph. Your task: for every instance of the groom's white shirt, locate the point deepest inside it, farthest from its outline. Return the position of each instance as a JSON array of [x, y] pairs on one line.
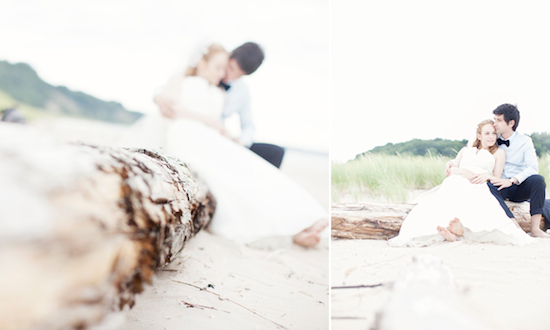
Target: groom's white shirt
[[521, 157], [238, 101]]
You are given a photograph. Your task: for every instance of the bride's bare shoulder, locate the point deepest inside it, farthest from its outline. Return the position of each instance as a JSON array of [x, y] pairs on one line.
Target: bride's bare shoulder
[[461, 151], [499, 154]]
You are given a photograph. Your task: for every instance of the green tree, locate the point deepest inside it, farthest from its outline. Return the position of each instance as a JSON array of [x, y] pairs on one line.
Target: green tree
[[417, 147], [541, 142]]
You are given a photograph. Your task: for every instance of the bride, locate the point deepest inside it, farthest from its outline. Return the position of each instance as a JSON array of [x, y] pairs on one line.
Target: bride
[[254, 199], [464, 206]]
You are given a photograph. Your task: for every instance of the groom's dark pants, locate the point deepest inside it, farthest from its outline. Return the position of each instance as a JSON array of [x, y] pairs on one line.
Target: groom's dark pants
[[533, 189], [272, 153]]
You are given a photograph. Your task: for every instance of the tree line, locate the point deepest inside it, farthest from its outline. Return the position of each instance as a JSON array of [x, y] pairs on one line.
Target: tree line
[[23, 84], [447, 148]]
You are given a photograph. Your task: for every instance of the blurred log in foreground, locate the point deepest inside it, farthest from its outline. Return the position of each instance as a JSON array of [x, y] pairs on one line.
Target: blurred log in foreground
[[383, 221], [83, 227], [425, 297]]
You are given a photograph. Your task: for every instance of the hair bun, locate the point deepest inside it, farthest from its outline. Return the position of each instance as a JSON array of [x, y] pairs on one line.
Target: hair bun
[[199, 51]]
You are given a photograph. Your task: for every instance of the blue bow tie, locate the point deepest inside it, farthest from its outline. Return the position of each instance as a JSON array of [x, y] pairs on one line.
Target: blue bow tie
[[501, 141], [225, 86]]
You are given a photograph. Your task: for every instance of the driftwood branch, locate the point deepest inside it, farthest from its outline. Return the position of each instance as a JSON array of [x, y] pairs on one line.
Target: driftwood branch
[[82, 228], [233, 302], [383, 221]]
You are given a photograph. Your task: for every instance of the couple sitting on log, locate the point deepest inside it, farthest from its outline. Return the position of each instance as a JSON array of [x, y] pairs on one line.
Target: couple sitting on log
[[254, 199], [501, 164]]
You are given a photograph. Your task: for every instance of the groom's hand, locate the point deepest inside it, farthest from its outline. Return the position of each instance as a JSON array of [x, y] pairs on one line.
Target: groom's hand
[[501, 183]]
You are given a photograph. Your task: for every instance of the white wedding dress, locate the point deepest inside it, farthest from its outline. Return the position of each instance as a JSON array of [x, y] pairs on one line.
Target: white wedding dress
[[478, 210], [254, 199]]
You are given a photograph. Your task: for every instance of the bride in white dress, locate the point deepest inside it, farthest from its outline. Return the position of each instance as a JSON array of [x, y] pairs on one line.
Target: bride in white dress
[[254, 199], [463, 205]]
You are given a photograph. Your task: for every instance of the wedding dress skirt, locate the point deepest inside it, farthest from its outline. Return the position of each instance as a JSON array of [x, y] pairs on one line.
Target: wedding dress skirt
[[254, 198], [478, 210]]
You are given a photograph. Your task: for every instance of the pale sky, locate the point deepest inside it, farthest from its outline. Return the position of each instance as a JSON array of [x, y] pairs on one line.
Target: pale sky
[[398, 69], [122, 50], [427, 69]]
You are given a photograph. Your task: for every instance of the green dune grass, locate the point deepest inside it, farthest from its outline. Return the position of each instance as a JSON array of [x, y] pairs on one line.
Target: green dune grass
[[393, 176], [389, 176], [544, 170]]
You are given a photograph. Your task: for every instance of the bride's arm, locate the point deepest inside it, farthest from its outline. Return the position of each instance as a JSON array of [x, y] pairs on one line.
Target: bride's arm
[[207, 120], [500, 159], [454, 163], [166, 105], [166, 100], [461, 171], [171, 109]]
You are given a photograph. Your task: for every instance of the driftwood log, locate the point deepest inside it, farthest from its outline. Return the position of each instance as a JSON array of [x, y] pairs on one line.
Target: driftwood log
[[383, 221], [82, 228]]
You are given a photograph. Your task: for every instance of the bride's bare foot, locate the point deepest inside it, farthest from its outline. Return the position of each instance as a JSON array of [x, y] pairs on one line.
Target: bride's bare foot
[[311, 236], [537, 232], [455, 227], [446, 234], [306, 239]]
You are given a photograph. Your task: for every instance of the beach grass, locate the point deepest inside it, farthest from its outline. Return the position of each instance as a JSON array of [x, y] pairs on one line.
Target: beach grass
[[393, 177], [544, 170], [388, 176]]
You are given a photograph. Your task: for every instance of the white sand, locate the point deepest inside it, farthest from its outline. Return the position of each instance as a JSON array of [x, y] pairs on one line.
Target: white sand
[[272, 284], [245, 288], [275, 283], [505, 287]]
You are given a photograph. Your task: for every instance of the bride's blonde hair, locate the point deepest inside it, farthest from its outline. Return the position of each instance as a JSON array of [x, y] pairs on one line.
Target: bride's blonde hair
[[477, 143], [207, 54]]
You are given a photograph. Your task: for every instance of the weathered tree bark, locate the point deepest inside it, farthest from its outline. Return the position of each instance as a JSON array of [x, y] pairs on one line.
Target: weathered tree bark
[[83, 227], [383, 221]]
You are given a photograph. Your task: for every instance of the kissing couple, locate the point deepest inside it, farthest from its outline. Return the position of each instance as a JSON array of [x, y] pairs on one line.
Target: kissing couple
[[500, 165]]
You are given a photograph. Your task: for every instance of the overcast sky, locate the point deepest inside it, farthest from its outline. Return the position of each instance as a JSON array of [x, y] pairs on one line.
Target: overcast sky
[[123, 50], [427, 69], [398, 69]]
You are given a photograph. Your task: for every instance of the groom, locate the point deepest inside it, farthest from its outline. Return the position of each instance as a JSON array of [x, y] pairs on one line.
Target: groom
[[520, 180], [243, 61]]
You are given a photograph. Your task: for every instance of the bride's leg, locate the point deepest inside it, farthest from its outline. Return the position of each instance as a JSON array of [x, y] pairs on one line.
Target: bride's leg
[[455, 227], [446, 234], [311, 236]]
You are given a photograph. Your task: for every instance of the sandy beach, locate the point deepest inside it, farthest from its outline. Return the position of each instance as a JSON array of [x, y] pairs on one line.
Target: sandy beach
[[502, 286], [218, 284]]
